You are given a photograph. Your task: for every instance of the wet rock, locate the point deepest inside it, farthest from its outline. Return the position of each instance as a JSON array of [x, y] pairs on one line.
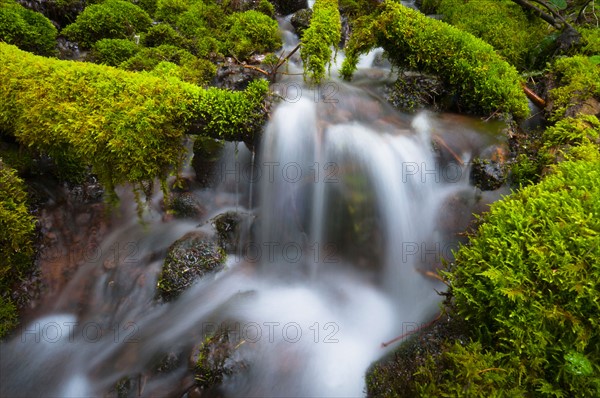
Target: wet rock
[[206, 155], [415, 91], [211, 360], [286, 7], [186, 205], [188, 259], [232, 229], [240, 5], [301, 20], [233, 76], [69, 50], [487, 175], [489, 170]]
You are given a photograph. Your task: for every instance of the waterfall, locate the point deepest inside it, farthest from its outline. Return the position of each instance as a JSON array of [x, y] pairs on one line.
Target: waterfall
[[345, 234]]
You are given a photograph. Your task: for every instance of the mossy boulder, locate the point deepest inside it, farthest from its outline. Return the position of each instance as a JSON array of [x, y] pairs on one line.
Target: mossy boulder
[[112, 52], [112, 19], [26, 29], [194, 256]]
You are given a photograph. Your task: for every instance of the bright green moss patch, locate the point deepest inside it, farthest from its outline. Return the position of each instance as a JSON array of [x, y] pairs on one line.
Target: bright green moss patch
[[112, 19], [322, 35], [529, 282], [484, 82], [578, 79], [113, 52], [501, 23], [26, 29], [128, 126], [16, 241], [250, 32]]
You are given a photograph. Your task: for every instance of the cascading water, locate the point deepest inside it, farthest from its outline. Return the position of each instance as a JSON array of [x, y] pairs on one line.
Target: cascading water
[[334, 264]]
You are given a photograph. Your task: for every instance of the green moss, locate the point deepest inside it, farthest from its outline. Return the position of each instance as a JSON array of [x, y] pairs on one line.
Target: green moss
[[17, 228], [501, 23], [169, 10], [483, 81], [128, 126], [266, 8], [112, 19], [590, 39], [530, 281], [323, 33], [113, 52], [162, 34], [250, 32], [26, 29], [168, 60], [578, 79]]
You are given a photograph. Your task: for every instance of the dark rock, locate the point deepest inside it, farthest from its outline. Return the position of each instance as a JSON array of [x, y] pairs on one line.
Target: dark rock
[[187, 205], [489, 171], [233, 229], [61, 13], [415, 91], [188, 259], [211, 360], [301, 20], [240, 5], [233, 76], [206, 156], [286, 7]]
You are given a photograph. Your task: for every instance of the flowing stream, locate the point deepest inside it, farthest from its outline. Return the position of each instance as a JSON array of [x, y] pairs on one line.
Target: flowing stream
[[350, 210]]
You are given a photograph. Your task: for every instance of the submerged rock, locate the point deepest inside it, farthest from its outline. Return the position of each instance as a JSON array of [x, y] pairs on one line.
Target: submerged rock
[[489, 171], [190, 258]]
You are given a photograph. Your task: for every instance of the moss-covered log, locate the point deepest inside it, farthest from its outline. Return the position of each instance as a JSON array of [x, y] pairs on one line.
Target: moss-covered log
[[128, 126], [323, 33], [482, 79]]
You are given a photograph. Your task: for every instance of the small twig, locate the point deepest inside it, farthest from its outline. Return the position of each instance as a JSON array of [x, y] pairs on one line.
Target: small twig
[[256, 69], [392, 341], [440, 141], [536, 99]]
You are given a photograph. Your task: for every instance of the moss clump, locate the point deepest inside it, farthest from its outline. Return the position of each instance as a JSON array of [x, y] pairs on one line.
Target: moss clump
[[112, 19], [501, 23], [578, 79], [26, 29], [17, 228], [250, 32], [113, 52], [128, 126], [188, 259], [529, 282], [323, 33], [483, 81], [590, 40]]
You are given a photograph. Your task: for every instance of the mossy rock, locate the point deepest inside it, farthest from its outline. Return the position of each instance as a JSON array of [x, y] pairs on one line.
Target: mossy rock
[[189, 259], [112, 19], [26, 29]]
